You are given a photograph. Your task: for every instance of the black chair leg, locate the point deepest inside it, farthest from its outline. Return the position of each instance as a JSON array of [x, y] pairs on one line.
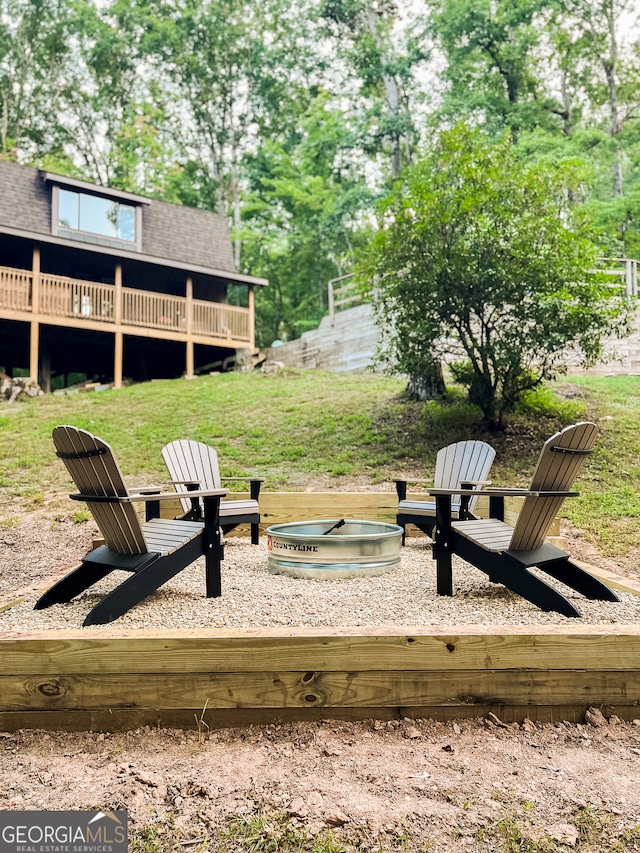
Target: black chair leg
[[150, 573], [441, 547], [580, 580], [81, 578], [514, 576], [154, 572], [134, 590], [213, 547], [534, 589]]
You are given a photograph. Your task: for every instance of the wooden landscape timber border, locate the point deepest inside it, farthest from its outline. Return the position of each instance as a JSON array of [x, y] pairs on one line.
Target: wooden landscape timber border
[[109, 678], [102, 679]]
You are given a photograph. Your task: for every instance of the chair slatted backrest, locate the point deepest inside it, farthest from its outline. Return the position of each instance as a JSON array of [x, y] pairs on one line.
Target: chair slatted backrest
[[560, 463], [191, 460], [94, 470], [463, 461]]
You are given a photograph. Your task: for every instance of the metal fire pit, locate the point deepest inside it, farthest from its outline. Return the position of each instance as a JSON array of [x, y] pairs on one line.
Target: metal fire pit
[[333, 548]]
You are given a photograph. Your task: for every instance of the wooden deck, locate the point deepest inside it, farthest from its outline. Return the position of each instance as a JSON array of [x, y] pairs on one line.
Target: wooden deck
[[84, 304]]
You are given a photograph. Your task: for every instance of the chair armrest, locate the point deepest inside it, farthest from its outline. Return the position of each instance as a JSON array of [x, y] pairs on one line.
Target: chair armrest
[[411, 480], [505, 493], [528, 493], [401, 485], [496, 499], [475, 492], [200, 493], [254, 484], [152, 502], [154, 496]]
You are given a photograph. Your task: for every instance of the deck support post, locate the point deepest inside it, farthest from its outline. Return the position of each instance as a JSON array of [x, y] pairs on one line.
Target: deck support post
[[118, 346], [34, 350], [34, 353], [45, 367], [118, 359], [117, 302], [251, 304], [190, 361]]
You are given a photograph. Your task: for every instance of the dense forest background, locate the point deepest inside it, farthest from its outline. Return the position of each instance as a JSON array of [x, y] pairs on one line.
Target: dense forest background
[[294, 117]]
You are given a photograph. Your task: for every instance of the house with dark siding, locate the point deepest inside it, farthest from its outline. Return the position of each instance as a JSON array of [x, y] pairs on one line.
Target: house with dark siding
[[110, 284]]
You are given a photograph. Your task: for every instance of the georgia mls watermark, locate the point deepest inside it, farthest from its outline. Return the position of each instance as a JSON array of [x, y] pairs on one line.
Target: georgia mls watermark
[[63, 832]]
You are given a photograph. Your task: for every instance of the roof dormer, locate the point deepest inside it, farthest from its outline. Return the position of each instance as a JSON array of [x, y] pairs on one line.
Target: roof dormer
[[91, 214]]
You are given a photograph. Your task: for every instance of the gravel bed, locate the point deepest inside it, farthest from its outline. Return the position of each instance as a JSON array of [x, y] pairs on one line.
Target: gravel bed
[[34, 547], [253, 597]]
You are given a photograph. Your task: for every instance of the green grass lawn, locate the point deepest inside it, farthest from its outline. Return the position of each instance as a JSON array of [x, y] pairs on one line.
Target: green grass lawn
[[300, 428]]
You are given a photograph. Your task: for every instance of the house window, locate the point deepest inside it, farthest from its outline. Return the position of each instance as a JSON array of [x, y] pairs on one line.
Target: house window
[[79, 213]]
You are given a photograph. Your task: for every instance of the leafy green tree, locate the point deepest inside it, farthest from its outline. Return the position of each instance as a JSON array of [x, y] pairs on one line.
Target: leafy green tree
[[568, 69], [614, 74], [301, 220], [34, 46], [229, 62], [604, 75], [494, 66], [615, 219], [382, 65], [482, 258], [116, 99]]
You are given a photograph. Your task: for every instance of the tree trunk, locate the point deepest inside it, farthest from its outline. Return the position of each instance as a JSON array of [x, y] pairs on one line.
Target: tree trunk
[[428, 385], [482, 393], [392, 92], [567, 117], [610, 65], [237, 221]]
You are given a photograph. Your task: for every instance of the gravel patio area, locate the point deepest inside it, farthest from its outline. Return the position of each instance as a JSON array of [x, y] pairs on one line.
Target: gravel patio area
[[253, 597]]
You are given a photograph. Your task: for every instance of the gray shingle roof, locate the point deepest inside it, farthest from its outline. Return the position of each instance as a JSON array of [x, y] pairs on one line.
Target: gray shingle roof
[[25, 201], [169, 231], [186, 234]]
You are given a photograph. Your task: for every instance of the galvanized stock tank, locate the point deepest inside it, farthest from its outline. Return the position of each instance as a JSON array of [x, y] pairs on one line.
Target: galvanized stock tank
[[333, 548]]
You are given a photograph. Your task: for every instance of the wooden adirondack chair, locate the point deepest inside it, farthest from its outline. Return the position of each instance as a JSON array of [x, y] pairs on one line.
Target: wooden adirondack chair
[[465, 463], [507, 553], [192, 464], [153, 552]]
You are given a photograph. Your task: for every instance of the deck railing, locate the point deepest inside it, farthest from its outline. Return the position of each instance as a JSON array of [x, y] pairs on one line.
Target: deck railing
[[154, 310], [69, 297], [228, 320], [624, 272], [343, 295], [60, 296], [346, 292], [15, 289]]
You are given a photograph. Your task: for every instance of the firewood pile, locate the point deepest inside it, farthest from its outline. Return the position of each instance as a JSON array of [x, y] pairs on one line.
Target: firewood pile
[[20, 386]]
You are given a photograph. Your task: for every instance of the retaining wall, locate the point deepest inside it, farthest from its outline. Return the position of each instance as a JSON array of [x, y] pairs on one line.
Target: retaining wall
[[350, 341]]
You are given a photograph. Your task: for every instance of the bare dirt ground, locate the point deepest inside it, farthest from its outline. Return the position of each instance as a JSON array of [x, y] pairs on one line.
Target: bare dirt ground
[[329, 787], [408, 785]]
